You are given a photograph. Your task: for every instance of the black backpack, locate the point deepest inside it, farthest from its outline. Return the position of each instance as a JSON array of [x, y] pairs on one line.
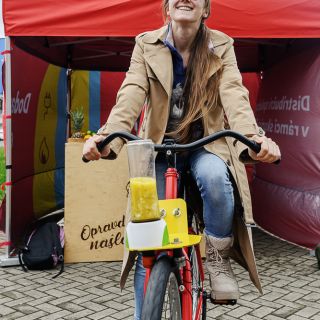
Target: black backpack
[[43, 248]]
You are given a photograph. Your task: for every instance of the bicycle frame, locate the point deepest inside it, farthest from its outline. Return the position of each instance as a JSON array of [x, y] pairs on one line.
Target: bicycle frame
[[171, 192]]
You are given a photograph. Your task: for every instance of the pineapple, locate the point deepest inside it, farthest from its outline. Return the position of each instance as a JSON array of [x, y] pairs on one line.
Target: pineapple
[[77, 119]]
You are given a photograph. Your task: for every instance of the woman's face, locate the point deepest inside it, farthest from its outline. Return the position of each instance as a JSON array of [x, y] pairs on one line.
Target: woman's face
[[184, 11]]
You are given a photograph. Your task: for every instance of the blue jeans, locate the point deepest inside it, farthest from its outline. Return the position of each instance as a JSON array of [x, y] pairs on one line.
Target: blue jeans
[[212, 177]]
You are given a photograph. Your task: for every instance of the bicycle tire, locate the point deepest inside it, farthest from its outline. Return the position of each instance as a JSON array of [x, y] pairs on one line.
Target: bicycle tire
[[162, 285], [196, 285]]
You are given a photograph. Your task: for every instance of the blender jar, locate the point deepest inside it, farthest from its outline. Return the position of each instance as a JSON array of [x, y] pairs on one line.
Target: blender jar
[[143, 189]]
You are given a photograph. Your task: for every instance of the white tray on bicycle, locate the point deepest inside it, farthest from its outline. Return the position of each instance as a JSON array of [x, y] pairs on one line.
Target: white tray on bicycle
[[170, 232]]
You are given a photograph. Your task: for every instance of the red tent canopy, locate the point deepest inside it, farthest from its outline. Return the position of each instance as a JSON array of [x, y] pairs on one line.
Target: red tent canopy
[[98, 34], [127, 18]]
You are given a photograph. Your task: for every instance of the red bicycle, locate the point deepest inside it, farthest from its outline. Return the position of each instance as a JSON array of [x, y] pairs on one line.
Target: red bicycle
[[174, 284]]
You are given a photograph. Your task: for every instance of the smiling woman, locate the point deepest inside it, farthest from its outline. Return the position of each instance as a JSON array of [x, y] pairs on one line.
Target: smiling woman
[[188, 74]]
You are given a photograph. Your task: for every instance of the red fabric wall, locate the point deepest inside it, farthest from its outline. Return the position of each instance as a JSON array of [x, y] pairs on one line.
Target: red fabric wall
[[252, 82], [286, 198]]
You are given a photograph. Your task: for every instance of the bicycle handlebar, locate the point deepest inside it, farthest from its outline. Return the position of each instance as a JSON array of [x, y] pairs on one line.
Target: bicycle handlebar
[[182, 147]]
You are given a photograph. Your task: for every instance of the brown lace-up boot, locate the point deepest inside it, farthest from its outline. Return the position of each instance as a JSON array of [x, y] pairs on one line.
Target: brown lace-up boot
[[223, 284]]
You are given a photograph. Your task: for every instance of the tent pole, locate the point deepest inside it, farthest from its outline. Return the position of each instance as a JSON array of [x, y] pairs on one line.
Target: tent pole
[[69, 72], [7, 260]]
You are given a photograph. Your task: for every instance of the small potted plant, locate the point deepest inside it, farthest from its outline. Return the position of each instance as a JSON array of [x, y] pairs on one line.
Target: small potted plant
[[77, 121]]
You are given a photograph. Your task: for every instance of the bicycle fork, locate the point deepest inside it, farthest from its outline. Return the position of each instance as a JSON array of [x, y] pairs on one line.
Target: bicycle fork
[[186, 290]]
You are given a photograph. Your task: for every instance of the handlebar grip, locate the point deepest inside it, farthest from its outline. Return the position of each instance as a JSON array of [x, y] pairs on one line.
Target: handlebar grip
[[100, 146], [85, 160], [256, 147], [125, 135]]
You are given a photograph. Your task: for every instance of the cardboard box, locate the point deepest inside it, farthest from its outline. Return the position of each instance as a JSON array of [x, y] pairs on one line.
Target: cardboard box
[[95, 206]]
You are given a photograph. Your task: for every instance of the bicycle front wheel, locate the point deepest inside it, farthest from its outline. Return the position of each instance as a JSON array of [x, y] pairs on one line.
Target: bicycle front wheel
[[196, 284], [162, 298]]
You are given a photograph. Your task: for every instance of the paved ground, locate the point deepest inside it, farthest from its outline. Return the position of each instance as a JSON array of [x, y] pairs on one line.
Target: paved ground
[[90, 291]]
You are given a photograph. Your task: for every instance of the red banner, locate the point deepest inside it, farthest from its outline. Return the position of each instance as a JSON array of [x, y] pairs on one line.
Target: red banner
[[287, 197], [24, 108], [38, 135]]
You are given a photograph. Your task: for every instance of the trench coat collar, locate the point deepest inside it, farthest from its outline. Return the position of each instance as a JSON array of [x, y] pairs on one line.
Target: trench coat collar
[[218, 38], [159, 57]]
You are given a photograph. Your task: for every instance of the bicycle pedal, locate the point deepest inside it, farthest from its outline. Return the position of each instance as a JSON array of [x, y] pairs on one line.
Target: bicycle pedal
[[231, 302]]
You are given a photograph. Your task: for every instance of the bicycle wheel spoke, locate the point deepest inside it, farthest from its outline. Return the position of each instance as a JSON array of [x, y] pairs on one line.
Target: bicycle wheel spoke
[[171, 305]]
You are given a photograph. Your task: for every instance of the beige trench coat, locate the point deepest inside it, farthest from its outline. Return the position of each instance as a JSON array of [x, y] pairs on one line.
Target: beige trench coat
[[149, 79]]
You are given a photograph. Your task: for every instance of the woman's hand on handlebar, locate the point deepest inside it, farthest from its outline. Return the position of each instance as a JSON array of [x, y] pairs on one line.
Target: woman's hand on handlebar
[[269, 152], [90, 150]]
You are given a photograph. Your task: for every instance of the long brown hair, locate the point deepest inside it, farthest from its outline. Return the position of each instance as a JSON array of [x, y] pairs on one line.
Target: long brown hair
[[198, 90]]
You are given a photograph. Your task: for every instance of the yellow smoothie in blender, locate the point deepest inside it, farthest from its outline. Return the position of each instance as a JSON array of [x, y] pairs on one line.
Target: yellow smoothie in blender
[[144, 199]]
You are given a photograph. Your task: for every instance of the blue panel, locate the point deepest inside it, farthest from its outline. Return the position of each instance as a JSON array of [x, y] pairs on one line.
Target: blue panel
[[61, 132], [94, 100]]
